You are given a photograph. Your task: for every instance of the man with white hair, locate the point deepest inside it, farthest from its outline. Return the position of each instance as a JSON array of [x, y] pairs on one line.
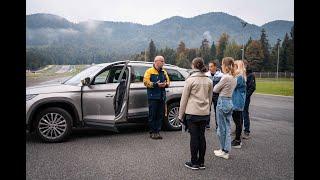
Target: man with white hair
[[156, 79]]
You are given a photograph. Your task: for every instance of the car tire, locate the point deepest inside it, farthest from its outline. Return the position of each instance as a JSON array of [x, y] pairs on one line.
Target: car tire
[[171, 121], [53, 125]]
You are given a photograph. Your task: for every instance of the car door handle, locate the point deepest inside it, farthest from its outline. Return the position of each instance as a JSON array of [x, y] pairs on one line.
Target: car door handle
[[109, 95]]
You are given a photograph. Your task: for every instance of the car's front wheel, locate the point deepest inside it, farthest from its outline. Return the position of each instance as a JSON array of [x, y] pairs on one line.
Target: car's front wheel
[[53, 124], [172, 122]]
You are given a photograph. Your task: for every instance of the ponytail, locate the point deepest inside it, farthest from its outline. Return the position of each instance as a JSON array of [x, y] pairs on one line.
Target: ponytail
[[198, 63], [229, 64]]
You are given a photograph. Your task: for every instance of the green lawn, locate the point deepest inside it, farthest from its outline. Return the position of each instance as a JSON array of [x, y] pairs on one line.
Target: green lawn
[[50, 72], [281, 86]]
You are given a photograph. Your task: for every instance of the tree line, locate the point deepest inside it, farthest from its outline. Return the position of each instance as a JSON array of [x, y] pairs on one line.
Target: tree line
[[261, 56], [258, 52]]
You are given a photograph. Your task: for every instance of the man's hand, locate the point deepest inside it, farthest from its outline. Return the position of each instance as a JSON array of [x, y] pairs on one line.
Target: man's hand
[[162, 85]]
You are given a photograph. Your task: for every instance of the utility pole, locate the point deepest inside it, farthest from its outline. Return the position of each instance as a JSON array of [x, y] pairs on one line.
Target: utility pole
[[243, 25], [278, 58], [145, 54]]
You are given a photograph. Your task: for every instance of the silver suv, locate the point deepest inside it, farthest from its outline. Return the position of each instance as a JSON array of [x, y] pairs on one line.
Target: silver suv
[[103, 95]]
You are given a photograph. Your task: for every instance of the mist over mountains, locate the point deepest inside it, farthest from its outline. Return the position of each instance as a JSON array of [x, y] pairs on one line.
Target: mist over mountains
[[47, 30]]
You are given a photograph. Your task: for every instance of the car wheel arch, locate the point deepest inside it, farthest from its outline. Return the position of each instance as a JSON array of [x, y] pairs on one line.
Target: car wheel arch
[[69, 107]]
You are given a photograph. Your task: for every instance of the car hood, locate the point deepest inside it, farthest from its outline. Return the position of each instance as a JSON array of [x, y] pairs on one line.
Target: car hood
[[52, 88]]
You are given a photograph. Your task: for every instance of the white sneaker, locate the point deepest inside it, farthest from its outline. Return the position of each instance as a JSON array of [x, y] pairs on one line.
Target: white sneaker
[[223, 155], [218, 152]]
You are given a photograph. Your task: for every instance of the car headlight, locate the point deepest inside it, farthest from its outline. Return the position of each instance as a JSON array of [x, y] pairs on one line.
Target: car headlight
[[30, 96]]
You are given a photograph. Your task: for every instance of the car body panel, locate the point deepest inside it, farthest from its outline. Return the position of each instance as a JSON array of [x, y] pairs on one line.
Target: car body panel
[[98, 100]]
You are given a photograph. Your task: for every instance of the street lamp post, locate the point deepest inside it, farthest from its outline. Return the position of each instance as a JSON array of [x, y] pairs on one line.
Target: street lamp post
[[243, 25], [278, 58]]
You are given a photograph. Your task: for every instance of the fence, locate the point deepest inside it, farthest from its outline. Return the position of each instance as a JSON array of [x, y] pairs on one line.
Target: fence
[[289, 75]]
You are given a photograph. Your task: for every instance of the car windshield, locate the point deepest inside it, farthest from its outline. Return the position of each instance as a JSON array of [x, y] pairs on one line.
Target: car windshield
[[184, 72], [75, 80]]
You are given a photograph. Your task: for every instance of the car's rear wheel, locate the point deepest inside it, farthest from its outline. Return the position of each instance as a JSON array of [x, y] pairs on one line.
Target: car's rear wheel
[[53, 124], [172, 122]]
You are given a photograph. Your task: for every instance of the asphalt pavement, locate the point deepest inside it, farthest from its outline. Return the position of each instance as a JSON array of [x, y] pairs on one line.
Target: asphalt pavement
[[131, 154]]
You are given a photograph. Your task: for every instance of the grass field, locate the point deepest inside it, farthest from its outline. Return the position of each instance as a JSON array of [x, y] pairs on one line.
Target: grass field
[[281, 86], [50, 72]]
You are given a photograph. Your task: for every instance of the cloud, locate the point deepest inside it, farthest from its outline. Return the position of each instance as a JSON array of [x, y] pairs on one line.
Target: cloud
[[91, 25], [49, 35], [206, 35], [108, 31]]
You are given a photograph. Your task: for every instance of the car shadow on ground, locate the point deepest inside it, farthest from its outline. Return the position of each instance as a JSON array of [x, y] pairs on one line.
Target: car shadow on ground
[[90, 132]]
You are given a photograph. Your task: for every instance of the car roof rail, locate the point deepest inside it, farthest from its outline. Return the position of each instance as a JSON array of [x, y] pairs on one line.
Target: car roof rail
[[120, 62], [145, 62]]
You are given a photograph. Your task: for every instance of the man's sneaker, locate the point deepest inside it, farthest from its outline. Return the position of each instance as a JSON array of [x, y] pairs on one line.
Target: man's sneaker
[[236, 144], [201, 166], [191, 166], [246, 135], [223, 155], [218, 152]]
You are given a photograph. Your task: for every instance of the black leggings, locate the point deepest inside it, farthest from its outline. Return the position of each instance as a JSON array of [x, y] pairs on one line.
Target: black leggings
[[197, 141], [237, 118]]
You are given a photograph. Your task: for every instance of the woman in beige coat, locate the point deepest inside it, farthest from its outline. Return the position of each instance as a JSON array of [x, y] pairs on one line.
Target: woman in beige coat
[[195, 106]]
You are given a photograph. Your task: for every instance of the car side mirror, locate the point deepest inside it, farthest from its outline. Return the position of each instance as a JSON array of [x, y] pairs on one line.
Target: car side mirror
[[85, 81]]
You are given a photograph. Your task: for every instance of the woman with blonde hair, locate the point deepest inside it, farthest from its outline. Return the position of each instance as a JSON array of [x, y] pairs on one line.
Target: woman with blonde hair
[[238, 100], [225, 88]]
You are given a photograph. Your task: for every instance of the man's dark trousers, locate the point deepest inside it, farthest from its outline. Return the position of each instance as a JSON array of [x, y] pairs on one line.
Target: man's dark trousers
[[246, 120], [156, 113], [215, 102]]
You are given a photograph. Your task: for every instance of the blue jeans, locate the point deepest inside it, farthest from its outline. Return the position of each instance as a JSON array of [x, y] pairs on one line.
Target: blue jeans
[[246, 119], [156, 113], [224, 117]]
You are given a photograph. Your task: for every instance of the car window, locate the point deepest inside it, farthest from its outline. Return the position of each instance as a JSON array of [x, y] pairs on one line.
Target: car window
[[75, 80], [102, 77], [139, 73], [114, 75], [175, 75], [110, 76]]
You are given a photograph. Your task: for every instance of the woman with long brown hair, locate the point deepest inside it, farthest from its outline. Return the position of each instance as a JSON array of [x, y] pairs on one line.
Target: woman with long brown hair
[[195, 106]]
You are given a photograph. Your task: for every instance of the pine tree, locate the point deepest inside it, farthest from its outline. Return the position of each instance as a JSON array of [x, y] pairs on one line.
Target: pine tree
[[254, 55], [284, 54], [182, 61], [192, 53], [181, 48], [246, 45], [222, 44], [205, 51], [213, 51], [233, 50], [291, 51], [265, 48], [169, 55], [274, 56], [152, 51]]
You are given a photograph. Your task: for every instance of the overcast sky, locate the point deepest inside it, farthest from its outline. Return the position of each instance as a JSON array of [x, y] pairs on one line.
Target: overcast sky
[[148, 12]]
